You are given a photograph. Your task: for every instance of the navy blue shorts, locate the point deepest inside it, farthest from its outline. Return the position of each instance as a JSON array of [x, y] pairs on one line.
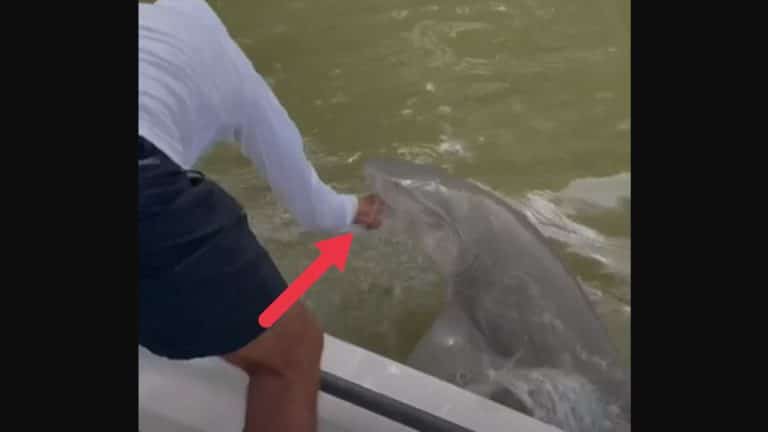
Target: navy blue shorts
[[204, 278]]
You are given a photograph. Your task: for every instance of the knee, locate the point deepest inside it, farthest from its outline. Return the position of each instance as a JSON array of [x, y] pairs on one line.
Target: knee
[[305, 351], [292, 347]]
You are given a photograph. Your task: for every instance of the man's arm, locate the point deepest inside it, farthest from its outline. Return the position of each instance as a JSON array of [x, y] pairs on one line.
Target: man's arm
[[272, 141]]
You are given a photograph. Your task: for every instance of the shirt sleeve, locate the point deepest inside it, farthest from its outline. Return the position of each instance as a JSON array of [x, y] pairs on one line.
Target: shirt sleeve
[[272, 141]]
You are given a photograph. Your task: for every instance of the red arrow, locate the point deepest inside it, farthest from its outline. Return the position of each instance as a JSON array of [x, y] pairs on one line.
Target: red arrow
[[333, 252]]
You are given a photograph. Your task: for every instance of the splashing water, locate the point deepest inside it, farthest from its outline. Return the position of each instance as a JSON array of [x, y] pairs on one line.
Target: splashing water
[[559, 398]]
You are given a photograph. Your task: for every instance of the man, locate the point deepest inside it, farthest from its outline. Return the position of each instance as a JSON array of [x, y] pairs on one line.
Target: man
[[204, 278]]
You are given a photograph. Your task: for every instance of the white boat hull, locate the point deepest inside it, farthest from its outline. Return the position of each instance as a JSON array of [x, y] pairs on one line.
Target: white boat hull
[[209, 395]]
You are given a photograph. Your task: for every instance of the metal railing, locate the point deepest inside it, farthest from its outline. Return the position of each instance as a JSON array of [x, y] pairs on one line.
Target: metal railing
[[386, 406]]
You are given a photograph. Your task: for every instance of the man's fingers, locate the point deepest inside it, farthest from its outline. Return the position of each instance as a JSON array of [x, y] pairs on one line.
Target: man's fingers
[[369, 212]]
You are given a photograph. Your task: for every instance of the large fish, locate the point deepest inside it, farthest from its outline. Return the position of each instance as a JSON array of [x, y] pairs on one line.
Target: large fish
[[516, 325]]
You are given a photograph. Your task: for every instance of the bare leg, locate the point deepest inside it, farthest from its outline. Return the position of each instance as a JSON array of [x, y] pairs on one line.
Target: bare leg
[[284, 368]]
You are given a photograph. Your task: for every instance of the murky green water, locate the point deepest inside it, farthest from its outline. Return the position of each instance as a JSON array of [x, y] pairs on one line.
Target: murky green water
[[524, 96]]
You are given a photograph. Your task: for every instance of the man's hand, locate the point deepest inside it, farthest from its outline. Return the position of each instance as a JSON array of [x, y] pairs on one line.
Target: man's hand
[[369, 211]]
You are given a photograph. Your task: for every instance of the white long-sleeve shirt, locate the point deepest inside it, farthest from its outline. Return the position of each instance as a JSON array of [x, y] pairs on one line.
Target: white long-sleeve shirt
[[197, 87]]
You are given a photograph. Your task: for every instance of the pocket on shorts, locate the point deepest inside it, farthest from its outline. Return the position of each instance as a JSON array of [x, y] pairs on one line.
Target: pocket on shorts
[[195, 177]]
